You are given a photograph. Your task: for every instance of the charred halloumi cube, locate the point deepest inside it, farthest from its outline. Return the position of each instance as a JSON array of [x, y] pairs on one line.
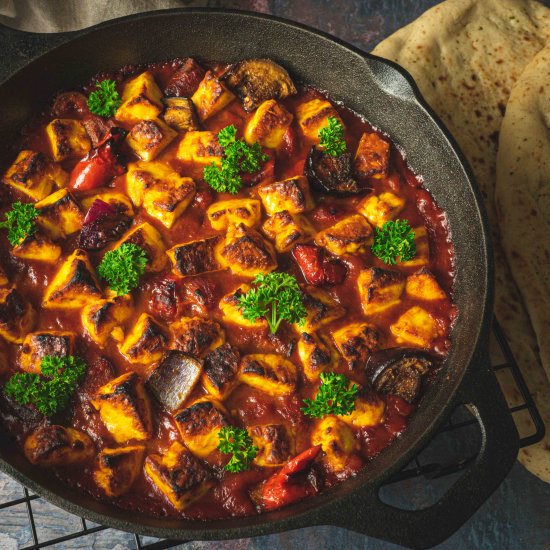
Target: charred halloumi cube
[[321, 309], [200, 148], [348, 236], [368, 412], [379, 209], [141, 99], [313, 115], [372, 157], [178, 475], [149, 137], [35, 176], [315, 355], [180, 114], [117, 199], [232, 313], [424, 286], [422, 256], [356, 342], [211, 96], [68, 138], [416, 327], [222, 214], [268, 125], [51, 445], [17, 317], [148, 238], [124, 408], [337, 441], [39, 344], [194, 258], [379, 289], [118, 468], [103, 319], [287, 229], [220, 370], [292, 194], [74, 285], [245, 252], [199, 425], [146, 341], [37, 248], [197, 336], [269, 373], [274, 445], [59, 214]]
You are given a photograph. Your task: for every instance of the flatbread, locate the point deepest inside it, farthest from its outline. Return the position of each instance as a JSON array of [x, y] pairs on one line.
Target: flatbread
[[466, 56]]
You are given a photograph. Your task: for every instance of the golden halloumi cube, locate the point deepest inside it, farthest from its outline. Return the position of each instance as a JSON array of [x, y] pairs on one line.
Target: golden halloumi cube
[[292, 194], [372, 157], [379, 289], [274, 444], [379, 209], [321, 309], [422, 242], [74, 285], [200, 148], [194, 258], [17, 317], [220, 370], [268, 125], [149, 137], [356, 342], [245, 252], [51, 445], [59, 214], [178, 475], [197, 336], [337, 441], [34, 175], [232, 313], [313, 115], [199, 425], [211, 96], [423, 285], [222, 214], [348, 236], [148, 238], [145, 342], [124, 408], [68, 138], [269, 373], [368, 412], [37, 248], [315, 355], [141, 99], [117, 199], [416, 327], [180, 114], [103, 318], [118, 468], [39, 344], [287, 230]]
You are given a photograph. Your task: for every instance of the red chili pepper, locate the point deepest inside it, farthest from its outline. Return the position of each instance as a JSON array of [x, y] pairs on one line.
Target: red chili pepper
[[283, 487], [100, 164], [317, 267]]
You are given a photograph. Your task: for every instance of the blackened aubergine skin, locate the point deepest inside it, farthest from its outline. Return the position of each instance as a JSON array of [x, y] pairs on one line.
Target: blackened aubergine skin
[[332, 175], [399, 371]]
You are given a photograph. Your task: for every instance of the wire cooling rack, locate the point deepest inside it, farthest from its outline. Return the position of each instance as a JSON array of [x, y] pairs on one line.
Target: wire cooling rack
[[29, 522]]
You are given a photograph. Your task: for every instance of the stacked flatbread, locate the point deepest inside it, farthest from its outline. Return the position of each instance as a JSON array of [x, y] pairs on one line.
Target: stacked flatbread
[[466, 57]]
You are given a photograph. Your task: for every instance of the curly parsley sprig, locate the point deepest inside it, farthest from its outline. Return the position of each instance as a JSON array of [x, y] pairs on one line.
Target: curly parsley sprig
[[277, 297], [122, 267], [104, 100], [394, 240], [20, 222], [334, 396], [331, 137], [238, 442], [238, 157]]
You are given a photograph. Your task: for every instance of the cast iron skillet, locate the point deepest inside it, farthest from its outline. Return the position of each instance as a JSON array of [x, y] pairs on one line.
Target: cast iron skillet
[[388, 97]]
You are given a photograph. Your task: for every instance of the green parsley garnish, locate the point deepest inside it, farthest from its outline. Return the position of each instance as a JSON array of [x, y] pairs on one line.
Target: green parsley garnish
[[122, 267], [238, 157], [20, 222], [332, 137], [334, 396], [237, 441], [394, 240], [276, 297], [104, 101], [50, 391]]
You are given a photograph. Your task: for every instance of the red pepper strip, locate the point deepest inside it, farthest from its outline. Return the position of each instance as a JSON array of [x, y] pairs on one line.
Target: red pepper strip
[[100, 164], [281, 489], [317, 267]]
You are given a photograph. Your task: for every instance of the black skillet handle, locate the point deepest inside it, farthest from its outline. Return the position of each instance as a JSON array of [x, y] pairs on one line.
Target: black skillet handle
[[428, 527]]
